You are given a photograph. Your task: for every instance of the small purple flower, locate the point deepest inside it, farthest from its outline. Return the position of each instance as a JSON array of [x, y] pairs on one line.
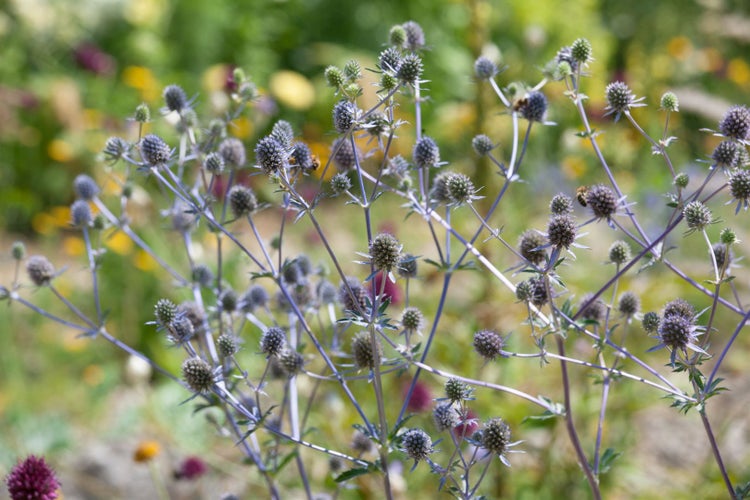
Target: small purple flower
[[32, 478]]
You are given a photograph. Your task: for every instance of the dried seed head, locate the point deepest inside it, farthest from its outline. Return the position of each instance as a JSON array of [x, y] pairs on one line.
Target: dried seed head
[[40, 270]]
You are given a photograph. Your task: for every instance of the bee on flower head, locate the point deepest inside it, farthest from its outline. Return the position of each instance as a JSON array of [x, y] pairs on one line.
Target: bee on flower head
[[581, 192]]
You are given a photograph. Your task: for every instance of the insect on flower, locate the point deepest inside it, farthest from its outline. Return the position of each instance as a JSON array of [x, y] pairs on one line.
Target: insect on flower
[[581, 192]]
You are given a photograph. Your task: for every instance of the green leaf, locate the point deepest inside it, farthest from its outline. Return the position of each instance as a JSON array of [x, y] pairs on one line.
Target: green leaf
[[352, 473]]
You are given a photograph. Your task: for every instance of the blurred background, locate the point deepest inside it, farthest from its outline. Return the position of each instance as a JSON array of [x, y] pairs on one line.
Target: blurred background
[[72, 72]]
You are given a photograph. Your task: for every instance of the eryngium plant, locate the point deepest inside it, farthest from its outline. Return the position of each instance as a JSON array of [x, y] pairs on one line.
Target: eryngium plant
[[307, 328]]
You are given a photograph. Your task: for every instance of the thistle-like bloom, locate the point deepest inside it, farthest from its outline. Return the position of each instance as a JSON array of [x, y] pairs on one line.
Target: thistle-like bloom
[[197, 374], [619, 252], [620, 99], [460, 189], [154, 150], [242, 200], [736, 123], [362, 351], [40, 270], [495, 438], [595, 311], [446, 416], [482, 145], [489, 344], [485, 68], [561, 231], [273, 341], [677, 330], [561, 204], [85, 187], [412, 319], [534, 106], [739, 186], [629, 304], [457, 391], [426, 153], [602, 200], [385, 252], [697, 215], [175, 98], [32, 479], [530, 247], [271, 155], [416, 444]]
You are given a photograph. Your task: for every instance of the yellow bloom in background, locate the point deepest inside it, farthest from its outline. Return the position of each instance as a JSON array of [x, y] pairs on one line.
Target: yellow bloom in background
[[146, 451], [120, 243], [60, 151], [292, 89], [142, 79], [73, 246], [242, 128], [144, 261], [739, 72]]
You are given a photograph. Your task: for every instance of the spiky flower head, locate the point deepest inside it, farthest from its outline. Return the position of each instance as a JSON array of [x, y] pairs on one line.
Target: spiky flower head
[[389, 61], [681, 180], [539, 293], [446, 416], [80, 213], [175, 98], [283, 132], [193, 312], [40, 270], [271, 155], [412, 319], [202, 275], [416, 444], [376, 124], [602, 200], [359, 293], [725, 154], [619, 252], [410, 69], [524, 291], [460, 189], [414, 35], [227, 344], [407, 266], [142, 113], [334, 77], [397, 36], [385, 251], [669, 102], [728, 236], [344, 154], [457, 391], [561, 204], [677, 332], [85, 187], [697, 215], [650, 321], [154, 150], [564, 57], [327, 292], [530, 247], [242, 200], [214, 163], [739, 186], [629, 304], [496, 436], [594, 311], [620, 99], [561, 231], [232, 150], [362, 352], [345, 115], [485, 68], [426, 153], [679, 307], [115, 148], [32, 478], [439, 190], [580, 50], [180, 329], [340, 183], [533, 107], [228, 300], [736, 123], [292, 361], [197, 374], [273, 341], [488, 344], [482, 145], [165, 311]]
